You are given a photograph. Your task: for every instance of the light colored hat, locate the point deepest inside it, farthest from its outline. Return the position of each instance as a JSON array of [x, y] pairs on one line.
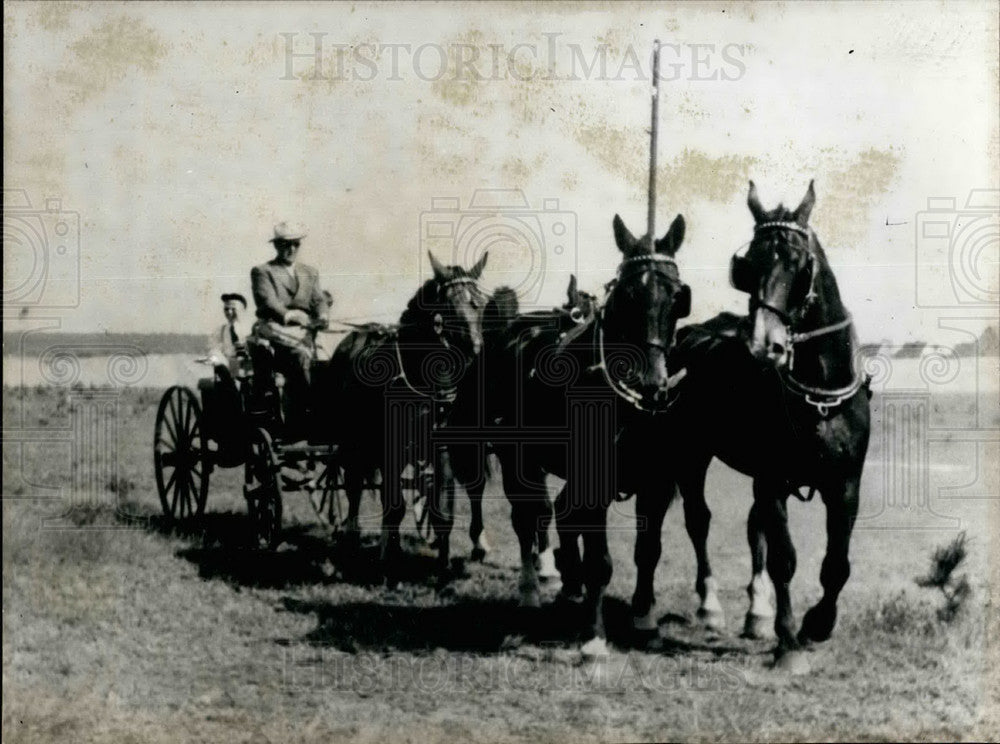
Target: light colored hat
[[288, 231]]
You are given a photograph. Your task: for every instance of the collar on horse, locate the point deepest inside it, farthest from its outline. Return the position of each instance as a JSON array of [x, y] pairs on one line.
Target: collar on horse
[[822, 399]]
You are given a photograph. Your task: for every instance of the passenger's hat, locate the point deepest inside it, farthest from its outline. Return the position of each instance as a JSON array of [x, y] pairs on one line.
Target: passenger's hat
[[234, 297], [288, 231]]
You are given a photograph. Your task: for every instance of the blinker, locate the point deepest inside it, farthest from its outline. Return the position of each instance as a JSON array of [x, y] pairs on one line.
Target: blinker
[[682, 302]]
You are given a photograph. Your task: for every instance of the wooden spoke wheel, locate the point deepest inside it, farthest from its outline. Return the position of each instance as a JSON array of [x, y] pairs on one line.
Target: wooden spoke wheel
[[328, 499], [420, 486], [261, 490], [180, 455]]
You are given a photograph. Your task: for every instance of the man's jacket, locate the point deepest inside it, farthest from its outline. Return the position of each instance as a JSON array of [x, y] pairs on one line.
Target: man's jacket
[[276, 291]]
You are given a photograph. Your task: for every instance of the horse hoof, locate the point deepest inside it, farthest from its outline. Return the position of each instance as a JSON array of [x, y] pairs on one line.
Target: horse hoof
[[816, 626], [478, 555], [791, 662], [595, 648], [645, 623], [758, 627], [547, 565], [531, 598], [712, 620]]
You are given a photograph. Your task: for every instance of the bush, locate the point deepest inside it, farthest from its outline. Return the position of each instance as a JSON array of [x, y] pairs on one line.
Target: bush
[[956, 589]]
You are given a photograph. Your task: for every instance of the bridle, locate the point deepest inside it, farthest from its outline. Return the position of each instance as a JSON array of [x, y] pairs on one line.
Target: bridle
[[656, 263], [822, 399], [442, 395]]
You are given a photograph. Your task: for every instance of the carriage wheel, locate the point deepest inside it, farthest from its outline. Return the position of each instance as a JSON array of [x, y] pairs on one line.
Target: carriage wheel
[[421, 485], [180, 457], [261, 490], [328, 499]]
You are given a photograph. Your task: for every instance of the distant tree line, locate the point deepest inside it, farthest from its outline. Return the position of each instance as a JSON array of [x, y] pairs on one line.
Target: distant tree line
[[96, 344]]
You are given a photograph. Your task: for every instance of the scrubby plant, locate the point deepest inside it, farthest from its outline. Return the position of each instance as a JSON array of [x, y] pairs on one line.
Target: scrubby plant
[[956, 589]]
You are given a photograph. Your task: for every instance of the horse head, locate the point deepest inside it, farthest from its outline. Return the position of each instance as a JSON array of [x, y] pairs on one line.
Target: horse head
[[640, 315], [581, 305], [779, 271], [448, 307]]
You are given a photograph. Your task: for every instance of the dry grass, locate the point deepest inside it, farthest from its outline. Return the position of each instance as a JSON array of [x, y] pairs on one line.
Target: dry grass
[[118, 627]]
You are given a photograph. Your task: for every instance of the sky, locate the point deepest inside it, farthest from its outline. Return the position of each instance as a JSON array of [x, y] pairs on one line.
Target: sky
[[150, 148]]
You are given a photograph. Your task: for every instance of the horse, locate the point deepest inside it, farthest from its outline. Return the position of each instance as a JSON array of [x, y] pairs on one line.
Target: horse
[[566, 401], [388, 388], [774, 396], [501, 319]]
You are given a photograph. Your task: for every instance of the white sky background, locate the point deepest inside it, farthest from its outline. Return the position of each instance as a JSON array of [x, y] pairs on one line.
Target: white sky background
[[169, 128]]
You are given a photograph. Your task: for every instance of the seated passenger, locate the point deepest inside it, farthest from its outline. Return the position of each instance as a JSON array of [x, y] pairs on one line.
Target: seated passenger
[[229, 340]]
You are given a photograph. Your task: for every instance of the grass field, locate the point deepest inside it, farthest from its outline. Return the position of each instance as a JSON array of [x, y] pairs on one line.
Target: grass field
[[119, 627]]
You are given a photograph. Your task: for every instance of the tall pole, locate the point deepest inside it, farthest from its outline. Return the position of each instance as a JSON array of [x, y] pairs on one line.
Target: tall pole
[[651, 214]]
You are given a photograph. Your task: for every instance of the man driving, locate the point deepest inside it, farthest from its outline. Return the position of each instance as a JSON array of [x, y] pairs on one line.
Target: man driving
[[289, 301]]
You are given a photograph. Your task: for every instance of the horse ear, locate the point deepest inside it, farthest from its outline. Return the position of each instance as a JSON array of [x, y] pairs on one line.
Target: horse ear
[[671, 242], [440, 271], [571, 294], [806, 207], [753, 201], [476, 270], [623, 238]]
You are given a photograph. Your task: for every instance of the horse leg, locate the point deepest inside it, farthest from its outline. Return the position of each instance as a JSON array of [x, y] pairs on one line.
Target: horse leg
[[597, 570], [393, 511], [477, 531], [567, 555], [525, 495], [546, 555], [480, 546], [781, 561], [697, 518], [353, 487], [442, 514], [650, 509], [760, 616], [841, 510]]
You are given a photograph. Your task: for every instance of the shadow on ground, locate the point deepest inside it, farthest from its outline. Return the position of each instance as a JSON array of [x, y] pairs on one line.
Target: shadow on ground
[[474, 625], [222, 547], [408, 618]]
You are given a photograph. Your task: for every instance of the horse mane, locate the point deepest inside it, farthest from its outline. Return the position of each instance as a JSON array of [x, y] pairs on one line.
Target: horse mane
[[501, 309], [420, 307]]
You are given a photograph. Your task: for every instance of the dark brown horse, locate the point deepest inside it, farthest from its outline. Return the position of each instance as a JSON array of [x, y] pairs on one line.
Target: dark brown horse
[[567, 398], [775, 397], [387, 389], [473, 411]]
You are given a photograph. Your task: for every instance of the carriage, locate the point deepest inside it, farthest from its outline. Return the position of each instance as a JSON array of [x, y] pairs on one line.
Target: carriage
[[240, 418]]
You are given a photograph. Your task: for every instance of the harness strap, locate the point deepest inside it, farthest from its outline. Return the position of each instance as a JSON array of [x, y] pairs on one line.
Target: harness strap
[[620, 388], [823, 399], [793, 226], [446, 395], [833, 328]]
